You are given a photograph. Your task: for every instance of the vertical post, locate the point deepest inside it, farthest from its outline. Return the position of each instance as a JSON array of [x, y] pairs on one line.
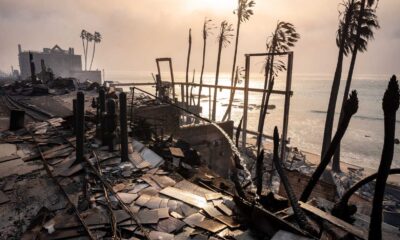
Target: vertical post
[[110, 125], [183, 94], [102, 101], [209, 103], [132, 95], [74, 104], [123, 126], [287, 105], [80, 125], [172, 79], [246, 101]]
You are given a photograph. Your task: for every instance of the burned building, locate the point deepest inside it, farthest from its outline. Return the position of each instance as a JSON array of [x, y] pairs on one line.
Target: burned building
[[63, 63]]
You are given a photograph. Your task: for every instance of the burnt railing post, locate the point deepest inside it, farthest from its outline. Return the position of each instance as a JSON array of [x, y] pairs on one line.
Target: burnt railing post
[[74, 104], [109, 125], [131, 108], [123, 126], [80, 126]]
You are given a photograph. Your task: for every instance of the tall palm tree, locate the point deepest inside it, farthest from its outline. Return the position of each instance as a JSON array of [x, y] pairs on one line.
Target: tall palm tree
[[83, 37], [281, 40], [244, 12], [344, 28], [89, 38], [96, 39], [224, 36], [364, 20], [206, 32], [187, 67]]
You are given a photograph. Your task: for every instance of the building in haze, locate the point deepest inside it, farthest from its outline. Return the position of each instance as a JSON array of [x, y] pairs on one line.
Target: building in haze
[[63, 63]]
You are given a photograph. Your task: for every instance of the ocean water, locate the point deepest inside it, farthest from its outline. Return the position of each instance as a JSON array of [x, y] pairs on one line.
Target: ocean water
[[363, 141]]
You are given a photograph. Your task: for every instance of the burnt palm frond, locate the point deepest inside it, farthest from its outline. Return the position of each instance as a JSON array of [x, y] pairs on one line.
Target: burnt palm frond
[[225, 33], [244, 10]]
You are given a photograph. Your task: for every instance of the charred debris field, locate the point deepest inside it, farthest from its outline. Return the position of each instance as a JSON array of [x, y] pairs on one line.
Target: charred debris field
[[99, 163]]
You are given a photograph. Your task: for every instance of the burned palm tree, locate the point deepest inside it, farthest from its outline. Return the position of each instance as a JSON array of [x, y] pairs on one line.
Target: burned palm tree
[[347, 17], [300, 216], [360, 31], [206, 32], [96, 39], [390, 105], [350, 108], [83, 37], [243, 12], [224, 36], [187, 67], [89, 37], [342, 209], [282, 39]]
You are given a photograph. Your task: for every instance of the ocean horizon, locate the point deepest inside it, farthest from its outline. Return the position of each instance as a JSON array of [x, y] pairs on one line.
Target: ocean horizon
[[363, 141]]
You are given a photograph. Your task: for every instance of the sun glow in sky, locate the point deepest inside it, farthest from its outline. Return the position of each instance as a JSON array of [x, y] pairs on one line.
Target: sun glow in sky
[[213, 5]]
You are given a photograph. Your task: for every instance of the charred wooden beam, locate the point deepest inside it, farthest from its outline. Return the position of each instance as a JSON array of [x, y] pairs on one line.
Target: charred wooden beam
[[342, 209], [123, 126], [300, 216], [80, 125]]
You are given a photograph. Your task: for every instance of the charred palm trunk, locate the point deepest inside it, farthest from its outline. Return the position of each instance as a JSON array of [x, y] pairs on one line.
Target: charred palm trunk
[[342, 209], [214, 108], [336, 157], [390, 106], [334, 91], [300, 216], [350, 109], [202, 64], [259, 172], [187, 67], [227, 114], [263, 115]]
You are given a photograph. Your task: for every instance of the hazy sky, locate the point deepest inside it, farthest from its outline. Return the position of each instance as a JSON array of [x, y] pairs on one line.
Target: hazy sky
[[135, 32]]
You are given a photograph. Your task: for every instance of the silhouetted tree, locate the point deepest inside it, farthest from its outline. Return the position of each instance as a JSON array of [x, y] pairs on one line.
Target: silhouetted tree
[[96, 39], [243, 12], [83, 37], [187, 67], [390, 105], [330, 115], [225, 34], [282, 39], [350, 108], [89, 37], [360, 31], [206, 31]]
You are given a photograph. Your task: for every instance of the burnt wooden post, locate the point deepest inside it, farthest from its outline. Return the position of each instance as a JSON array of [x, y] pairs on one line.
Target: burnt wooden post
[[102, 100], [32, 65], [101, 105], [123, 126], [80, 125], [287, 105], [110, 125], [74, 115], [246, 101], [131, 108], [17, 119]]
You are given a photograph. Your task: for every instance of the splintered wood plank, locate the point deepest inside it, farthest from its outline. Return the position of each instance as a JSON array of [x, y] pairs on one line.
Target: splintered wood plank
[[361, 233]]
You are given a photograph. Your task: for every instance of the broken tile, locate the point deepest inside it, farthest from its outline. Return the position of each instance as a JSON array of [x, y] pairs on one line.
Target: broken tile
[[213, 196], [139, 187], [119, 187], [176, 215], [170, 225], [148, 216], [127, 198], [163, 181], [177, 152], [212, 211], [185, 196], [227, 221], [153, 203], [211, 225], [194, 219], [224, 209], [155, 235], [163, 213], [142, 200]]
